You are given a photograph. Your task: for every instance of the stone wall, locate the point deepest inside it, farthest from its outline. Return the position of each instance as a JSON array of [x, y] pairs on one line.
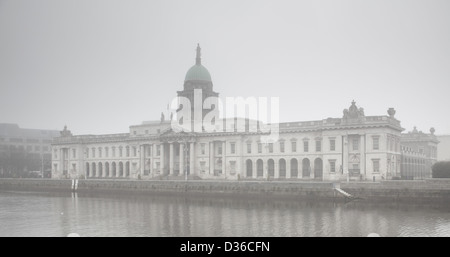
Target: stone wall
[[436, 190]]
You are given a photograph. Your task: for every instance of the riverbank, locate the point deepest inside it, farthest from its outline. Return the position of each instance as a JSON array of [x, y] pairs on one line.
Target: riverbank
[[431, 190]]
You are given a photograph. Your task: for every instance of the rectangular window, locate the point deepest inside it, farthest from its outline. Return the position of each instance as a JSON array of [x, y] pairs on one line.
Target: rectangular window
[[332, 145], [134, 151], [232, 167], [332, 165], [74, 153], [305, 146], [281, 147], [376, 143], [203, 148], [93, 152], [259, 147], [355, 144], [233, 148], [294, 146], [149, 150], [318, 145], [376, 165], [219, 149], [146, 131], [37, 148], [55, 154], [106, 152], [113, 152], [249, 147], [99, 152], [74, 167], [120, 151], [158, 150], [270, 147]]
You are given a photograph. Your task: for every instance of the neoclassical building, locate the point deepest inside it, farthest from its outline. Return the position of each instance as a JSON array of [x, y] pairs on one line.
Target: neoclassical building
[[419, 153], [354, 146]]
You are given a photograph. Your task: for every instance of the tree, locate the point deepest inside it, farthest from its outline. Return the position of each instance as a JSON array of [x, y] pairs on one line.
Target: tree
[[441, 170]]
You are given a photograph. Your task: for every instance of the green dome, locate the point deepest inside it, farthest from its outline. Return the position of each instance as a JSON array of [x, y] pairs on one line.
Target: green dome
[[198, 72]]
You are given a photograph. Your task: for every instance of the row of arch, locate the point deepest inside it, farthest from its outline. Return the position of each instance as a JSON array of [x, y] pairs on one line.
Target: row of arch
[[413, 168], [107, 170], [294, 171]]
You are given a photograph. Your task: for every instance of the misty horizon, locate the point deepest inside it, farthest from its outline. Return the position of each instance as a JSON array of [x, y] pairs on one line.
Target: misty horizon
[[100, 67]]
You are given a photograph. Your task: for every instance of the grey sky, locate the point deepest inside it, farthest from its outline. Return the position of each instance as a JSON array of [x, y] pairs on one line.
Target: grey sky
[[101, 66]]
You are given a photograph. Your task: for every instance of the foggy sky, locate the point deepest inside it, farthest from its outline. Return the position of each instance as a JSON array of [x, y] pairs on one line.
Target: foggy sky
[[100, 66]]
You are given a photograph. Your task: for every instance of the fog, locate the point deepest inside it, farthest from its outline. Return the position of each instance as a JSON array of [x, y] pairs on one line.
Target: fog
[[101, 66]]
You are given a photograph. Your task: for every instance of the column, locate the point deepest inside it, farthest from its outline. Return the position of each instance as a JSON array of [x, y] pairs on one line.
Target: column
[[211, 158], [171, 158], [240, 164], [192, 159], [151, 158], [255, 169], [224, 161], [300, 167], [265, 169], [276, 164], [161, 159], [61, 162], [345, 155], [182, 159], [363, 156], [288, 168], [142, 156]]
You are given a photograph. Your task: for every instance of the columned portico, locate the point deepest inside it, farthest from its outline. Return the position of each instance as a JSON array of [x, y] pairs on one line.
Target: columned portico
[[162, 161], [142, 159], [345, 155], [192, 170], [363, 156], [171, 158], [211, 158], [224, 159], [182, 170]]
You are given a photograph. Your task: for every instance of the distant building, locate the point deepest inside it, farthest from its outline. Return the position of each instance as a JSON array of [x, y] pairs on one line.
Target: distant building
[[25, 152], [419, 153], [443, 148]]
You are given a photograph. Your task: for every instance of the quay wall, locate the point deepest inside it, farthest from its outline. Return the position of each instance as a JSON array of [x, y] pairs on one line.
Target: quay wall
[[435, 190]]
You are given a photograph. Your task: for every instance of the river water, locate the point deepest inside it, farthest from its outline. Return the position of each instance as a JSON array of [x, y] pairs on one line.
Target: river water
[[60, 214]]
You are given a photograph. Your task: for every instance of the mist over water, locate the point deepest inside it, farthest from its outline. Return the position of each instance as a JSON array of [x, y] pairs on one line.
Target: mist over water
[[50, 214]]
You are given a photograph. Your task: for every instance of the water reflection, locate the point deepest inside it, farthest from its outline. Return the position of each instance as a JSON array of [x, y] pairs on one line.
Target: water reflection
[[45, 214]]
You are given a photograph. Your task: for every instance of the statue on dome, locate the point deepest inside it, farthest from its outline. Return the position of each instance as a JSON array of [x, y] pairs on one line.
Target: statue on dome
[[65, 132], [353, 112]]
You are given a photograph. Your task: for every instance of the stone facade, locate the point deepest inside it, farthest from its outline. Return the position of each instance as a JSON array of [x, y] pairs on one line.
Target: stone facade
[[351, 147], [419, 153]]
